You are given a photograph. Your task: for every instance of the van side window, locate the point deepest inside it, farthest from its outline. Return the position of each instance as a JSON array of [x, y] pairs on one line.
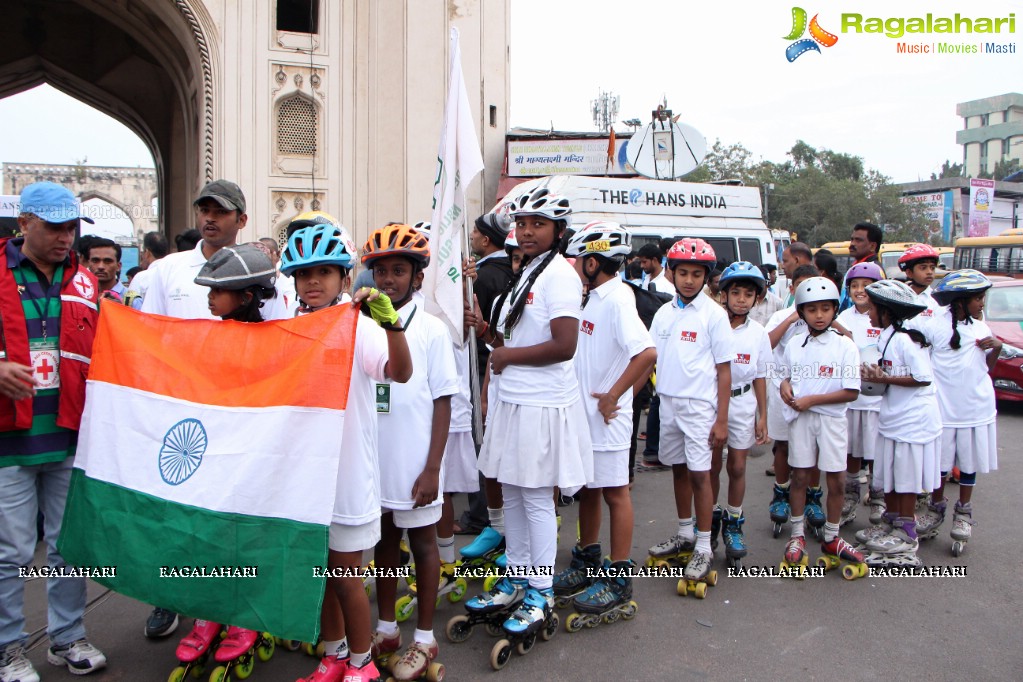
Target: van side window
[[749, 250], [724, 249]]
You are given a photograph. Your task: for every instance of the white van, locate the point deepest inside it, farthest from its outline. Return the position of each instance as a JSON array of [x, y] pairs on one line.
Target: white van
[[728, 217]]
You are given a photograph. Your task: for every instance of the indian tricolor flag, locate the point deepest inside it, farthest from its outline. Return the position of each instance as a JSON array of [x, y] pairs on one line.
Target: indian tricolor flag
[[207, 464]]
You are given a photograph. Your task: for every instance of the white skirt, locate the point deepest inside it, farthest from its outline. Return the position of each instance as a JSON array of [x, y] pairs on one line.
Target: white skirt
[[863, 432], [460, 472], [974, 449], [537, 447], [907, 467]]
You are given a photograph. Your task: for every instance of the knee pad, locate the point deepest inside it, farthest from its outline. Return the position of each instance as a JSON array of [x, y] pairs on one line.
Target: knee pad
[[967, 479]]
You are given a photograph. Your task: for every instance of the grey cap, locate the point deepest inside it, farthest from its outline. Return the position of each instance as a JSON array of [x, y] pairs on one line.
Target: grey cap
[[225, 193], [238, 267]]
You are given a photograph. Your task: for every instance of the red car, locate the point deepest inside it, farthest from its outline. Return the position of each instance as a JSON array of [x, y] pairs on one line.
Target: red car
[[1003, 312]]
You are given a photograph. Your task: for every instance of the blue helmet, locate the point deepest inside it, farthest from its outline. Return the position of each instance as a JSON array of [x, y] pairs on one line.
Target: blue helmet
[[322, 243], [960, 284], [742, 271]]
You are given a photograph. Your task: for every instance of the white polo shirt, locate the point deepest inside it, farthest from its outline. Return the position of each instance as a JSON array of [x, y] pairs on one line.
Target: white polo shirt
[[752, 353], [404, 428], [691, 341], [139, 284], [610, 335], [966, 395], [908, 414], [796, 328], [864, 336], [825, 363], [923, 319], [173, 292], [661, 283], [557, 292]]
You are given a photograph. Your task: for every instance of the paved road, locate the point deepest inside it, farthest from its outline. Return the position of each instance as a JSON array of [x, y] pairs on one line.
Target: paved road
[[747, 628]]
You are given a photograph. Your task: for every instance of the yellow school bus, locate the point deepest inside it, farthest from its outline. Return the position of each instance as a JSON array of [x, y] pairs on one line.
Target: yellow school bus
[[840, 250], [998, 255]]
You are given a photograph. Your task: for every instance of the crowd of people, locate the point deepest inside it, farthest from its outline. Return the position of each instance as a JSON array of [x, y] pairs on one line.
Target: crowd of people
[[860, 378]]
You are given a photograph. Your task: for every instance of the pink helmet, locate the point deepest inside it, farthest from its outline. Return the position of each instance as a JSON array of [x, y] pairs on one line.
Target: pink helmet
[[691, 250], [865, 270], [915, 253]]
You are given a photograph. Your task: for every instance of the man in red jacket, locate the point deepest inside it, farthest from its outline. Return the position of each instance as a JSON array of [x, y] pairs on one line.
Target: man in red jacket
[[48, 315]]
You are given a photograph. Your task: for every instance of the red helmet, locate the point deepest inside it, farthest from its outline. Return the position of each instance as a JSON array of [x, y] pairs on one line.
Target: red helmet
[[915, 253], [691, 250]]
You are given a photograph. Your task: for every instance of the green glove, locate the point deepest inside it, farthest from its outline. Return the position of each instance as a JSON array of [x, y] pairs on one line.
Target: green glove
[[381, 310]]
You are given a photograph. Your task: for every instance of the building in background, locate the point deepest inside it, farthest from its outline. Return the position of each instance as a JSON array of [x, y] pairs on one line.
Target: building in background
[[992, 132]]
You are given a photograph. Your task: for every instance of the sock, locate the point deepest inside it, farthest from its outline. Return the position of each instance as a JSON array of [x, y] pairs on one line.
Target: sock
[[830, 531], [331, 647], [686, 529], [784, 486], [423, 636], [909, 525], [854, 477], [735, 512], [360, 660], [341, 649], [797, 526], [703, 541], [387, 627], [496, 519], [446, 549]]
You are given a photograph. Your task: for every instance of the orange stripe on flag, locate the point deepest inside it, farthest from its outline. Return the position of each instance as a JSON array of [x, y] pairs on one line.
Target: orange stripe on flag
[[302, 362]]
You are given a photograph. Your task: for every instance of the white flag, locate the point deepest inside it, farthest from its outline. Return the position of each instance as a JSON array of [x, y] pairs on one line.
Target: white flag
[[458, 161]]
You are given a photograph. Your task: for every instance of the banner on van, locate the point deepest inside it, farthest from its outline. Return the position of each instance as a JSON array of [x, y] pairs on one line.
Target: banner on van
[[535, 158]]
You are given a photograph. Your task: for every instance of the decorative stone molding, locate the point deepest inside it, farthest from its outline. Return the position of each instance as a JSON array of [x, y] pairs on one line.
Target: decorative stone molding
[[207, 87]]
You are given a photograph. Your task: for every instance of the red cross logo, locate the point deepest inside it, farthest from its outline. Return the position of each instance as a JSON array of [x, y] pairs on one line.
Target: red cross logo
[[45, 368], [83, 285]]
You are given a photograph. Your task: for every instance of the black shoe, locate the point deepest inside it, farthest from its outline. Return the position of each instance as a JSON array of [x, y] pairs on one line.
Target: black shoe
[[161, 623]]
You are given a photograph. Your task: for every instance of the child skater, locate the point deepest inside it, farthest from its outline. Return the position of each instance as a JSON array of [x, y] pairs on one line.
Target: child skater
[[909, 426], [742, 285], [963, 352], [320, 256], [919, 262], [694, 379], [536, 437], [822, 379], [615, 353]]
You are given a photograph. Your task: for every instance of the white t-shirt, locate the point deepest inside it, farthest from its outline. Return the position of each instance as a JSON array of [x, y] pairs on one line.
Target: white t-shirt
[[924, 319], [173, 292], [138, 285], [691, 341], [286, 292], [796, 328], [610, 335], [752, 353], [966, 395], [908, 414], [557, 292], [825, 363], [864, 336], [661, 283], [404, 430]]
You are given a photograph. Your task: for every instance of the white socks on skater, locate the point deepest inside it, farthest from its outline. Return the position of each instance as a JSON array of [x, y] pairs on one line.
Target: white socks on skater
[[686, 531], [797, 526], [703, 542], [446, 549], [423, 636], [496, 519]]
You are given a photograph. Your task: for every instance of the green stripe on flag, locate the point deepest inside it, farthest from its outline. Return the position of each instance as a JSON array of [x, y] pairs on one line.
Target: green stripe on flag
[[139, 535]]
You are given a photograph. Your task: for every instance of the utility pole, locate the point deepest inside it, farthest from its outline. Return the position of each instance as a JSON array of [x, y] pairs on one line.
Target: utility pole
[[604, 110]]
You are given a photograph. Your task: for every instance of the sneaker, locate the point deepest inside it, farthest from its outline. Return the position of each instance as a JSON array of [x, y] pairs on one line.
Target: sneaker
[[161, 623], [698, 566], [367, 673], [81, 658], [487, 541], [15, 666], [896, 541], [330, 669], [413, 663], [504, 595], [865, 535]]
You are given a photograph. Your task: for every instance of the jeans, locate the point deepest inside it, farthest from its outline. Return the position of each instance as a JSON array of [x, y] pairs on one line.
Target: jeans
[[24, 491], [653, 430]]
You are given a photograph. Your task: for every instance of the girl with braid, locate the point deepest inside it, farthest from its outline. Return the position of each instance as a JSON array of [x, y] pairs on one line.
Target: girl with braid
[[537, 435]]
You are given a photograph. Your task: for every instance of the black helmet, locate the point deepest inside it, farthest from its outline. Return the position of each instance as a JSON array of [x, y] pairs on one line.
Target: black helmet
[[236, 268]]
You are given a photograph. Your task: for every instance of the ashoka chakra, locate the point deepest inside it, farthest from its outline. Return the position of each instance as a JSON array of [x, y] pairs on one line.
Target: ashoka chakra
[[182, 451]]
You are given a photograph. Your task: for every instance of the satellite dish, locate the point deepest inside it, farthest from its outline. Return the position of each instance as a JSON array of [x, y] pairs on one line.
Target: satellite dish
[[666, 150]]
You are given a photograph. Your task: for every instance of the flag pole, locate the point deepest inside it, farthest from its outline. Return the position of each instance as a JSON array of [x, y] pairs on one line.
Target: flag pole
[[475, 381]]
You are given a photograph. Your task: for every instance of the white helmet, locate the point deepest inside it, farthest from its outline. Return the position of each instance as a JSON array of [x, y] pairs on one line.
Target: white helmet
[[542, 202], [816, 289], [511, 241], [600, 238], [423, 228]]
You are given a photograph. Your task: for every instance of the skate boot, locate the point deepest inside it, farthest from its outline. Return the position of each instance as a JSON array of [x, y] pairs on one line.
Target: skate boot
[[490, 609], [698, 577], [715, 527], [814, 512], [962, 527], [928, 523], [607, 599], [382, 646], [417, 663], [450, 585], [194, 650], [238, 650], [673, 551], [882, 527], [578, 576], [896, 548], [838, 551], [535, 617], [877, 506], [780, 508], [735, 547], [330, 669], [367, 673], [794, 563], [479, 556], [851, 501]]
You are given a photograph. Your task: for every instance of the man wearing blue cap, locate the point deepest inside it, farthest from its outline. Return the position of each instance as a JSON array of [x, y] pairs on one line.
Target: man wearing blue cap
[[48, 315]]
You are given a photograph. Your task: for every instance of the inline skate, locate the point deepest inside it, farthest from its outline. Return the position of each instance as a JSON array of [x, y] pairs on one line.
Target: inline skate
[[780, 508], [578, 577], [607, 599]]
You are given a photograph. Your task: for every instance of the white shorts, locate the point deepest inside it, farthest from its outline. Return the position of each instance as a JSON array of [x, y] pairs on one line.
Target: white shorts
[[742, 421], [777, 427], [415, 518], [460, 472], [610, 469], [685, 432], [907, 467], [973, 449], [818, 440], [863, 433], [354, 538]]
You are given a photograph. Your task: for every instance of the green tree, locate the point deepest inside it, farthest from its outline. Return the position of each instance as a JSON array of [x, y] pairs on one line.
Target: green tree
[[948, 170], [1002, 169]]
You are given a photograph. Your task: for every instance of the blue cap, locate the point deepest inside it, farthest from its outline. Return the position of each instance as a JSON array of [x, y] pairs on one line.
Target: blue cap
[[52, 202]]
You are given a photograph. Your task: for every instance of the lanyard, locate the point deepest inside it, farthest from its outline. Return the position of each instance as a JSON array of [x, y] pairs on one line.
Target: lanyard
[[408, 321], [43, 310]]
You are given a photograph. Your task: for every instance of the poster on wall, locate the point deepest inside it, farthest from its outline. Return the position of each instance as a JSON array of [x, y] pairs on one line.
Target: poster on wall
[[937, 208], [982, 194]]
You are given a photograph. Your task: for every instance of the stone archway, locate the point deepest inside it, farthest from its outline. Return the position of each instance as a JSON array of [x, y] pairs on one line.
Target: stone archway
[[148, 64]]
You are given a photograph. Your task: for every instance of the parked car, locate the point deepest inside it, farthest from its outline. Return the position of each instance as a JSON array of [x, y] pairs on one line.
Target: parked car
[[1004, 314]]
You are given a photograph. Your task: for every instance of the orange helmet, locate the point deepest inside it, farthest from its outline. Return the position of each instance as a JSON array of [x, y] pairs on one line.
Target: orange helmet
[[397, 240]]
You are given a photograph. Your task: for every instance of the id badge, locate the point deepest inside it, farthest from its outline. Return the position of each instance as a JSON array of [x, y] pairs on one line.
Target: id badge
[[45, 358], [383, 398]]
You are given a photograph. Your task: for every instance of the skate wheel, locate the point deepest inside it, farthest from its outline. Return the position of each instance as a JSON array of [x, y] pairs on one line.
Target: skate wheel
[[823, 563], [197, 668], [500, 654], [630, 610], [735, 564], [309, 649], [776, 531], [662, 565], [561, 602], [403, 608], [700, 591], [244, 667], [458, 592], [572, 623], [526, 645], [265, 648], [610, 617], [219, 674], [681, 587], [177, 675], [650, 561], [458, 629], [712, 578], [435, 672], [391, 661], [551, 628], [957, 548], [494, 629], [489, 582], [289, 644]]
